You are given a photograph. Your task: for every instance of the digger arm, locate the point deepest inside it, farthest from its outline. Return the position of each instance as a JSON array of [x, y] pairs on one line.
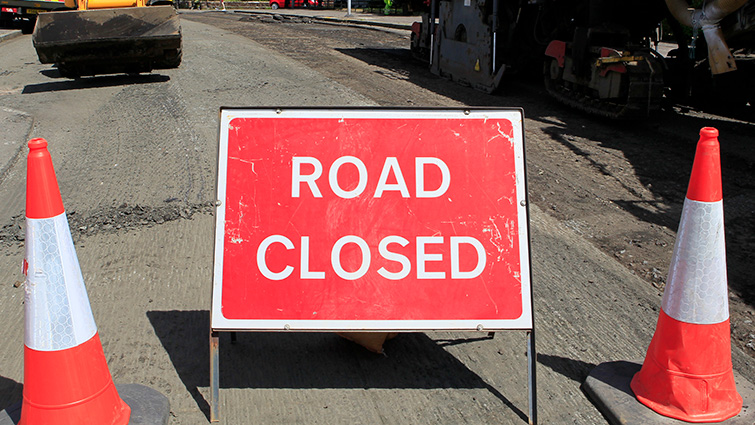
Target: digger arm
[[719, 56]]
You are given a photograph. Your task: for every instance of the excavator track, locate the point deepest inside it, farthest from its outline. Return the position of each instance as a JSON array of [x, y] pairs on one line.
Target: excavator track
[[643, 93]]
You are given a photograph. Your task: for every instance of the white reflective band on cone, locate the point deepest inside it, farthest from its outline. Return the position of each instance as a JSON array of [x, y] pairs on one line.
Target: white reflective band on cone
[[58, 315], [696, 291]]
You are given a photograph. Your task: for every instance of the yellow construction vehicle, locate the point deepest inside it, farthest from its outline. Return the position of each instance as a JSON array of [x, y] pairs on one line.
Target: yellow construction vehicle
[[109, 37]]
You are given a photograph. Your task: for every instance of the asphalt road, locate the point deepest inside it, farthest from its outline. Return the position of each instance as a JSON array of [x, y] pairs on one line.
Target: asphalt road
[[136, 161]]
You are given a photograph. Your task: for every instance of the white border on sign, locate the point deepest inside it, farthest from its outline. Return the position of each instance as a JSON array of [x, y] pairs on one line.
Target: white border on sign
[[515, 116]]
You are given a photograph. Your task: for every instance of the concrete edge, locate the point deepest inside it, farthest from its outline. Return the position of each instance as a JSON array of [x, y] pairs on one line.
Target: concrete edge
[[12, 159], [363, 22], [9, 35], [344, 20]]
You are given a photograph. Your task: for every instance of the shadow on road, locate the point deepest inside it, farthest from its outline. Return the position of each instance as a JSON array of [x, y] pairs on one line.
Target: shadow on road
[[91, 82], [576, 370], [11, 393], [277, 360]]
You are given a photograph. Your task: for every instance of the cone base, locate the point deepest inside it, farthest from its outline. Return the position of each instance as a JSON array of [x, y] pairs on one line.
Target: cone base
[[687, 373], [607, 387], [148, 406], [725, 405], [70, 386]]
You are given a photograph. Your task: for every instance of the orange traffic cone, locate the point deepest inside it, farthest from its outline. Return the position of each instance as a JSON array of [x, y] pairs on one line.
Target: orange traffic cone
[[66, 378], [687, 373]]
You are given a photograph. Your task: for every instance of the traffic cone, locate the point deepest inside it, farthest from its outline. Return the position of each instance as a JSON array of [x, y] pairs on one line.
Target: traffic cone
[[687, 373], [66, 378]]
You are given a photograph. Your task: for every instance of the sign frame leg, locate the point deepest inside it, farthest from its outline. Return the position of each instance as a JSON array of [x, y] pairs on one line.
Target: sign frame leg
[[532, 376], [214, 376]]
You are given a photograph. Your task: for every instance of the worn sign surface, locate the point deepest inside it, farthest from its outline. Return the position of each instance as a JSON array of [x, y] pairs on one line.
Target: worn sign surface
[[383, 219]]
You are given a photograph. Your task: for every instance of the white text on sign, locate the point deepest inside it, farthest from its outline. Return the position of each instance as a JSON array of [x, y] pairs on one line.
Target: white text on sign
[[390, 166], [422, 256], [390, 171]]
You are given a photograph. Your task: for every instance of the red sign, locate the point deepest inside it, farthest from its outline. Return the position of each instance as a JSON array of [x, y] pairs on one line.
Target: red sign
[[371, 219]]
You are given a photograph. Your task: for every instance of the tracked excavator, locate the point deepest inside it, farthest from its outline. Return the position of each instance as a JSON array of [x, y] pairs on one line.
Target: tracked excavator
[[91, 37], [599, 56]]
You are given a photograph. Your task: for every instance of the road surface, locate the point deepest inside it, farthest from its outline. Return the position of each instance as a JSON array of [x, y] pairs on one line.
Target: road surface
[[136, 161]]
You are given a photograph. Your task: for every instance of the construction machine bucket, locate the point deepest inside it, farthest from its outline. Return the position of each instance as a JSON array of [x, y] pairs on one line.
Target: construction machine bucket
[[108, 41]]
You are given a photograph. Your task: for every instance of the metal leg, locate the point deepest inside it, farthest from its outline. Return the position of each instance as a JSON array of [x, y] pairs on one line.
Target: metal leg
[[214, 376], [532, 377]]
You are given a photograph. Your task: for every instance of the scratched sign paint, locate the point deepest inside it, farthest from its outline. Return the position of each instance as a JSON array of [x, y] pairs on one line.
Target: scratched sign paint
[[371, 219]]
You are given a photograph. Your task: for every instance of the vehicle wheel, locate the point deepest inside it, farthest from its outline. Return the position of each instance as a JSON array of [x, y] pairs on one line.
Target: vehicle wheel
[[274, 6], [67, 72], [27, 27], [138, 68], [172, 61]]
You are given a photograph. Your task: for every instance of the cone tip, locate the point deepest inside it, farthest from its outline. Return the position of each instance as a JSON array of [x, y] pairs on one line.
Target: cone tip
[[708, 133], [42, 193], [37, 143], [705, 181]]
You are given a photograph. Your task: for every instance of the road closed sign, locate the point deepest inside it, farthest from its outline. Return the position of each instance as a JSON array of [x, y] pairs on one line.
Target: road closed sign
[[371, 219]]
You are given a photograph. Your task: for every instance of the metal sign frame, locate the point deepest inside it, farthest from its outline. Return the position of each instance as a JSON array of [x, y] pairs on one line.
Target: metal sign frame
[[524, 322]]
